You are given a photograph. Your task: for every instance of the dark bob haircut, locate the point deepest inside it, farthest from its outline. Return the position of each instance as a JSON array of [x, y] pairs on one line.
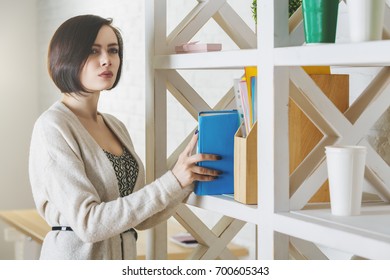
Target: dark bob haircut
[[70, 48]]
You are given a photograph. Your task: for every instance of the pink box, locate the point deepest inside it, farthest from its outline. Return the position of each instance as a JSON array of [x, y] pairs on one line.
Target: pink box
[[194, 47]]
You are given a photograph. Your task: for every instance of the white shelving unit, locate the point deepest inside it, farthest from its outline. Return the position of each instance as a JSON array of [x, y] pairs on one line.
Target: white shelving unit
[[284, 218]]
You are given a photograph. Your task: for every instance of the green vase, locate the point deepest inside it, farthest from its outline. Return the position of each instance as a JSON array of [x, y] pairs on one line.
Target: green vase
[[320, 20]]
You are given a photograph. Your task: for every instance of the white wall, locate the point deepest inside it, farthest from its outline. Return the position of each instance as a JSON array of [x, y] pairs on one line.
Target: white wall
[[18, 105]]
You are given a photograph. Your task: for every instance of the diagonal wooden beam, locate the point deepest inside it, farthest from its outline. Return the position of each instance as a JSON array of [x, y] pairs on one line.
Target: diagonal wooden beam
[[185, 94], [195, 20], [188, 18], [377, 172], [317, 107], [307, 107], [308, 249], [227, 101], [294, 253], [212, 243], [295, 20], [235, 27], [309, 187], [381, 80], [224, 230], [386, 31], [226, 254], [374, 110], [194, 225], [309, 165]]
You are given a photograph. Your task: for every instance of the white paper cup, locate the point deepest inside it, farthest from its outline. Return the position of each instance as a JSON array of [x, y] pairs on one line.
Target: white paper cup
[[346, 166], [366, 18]]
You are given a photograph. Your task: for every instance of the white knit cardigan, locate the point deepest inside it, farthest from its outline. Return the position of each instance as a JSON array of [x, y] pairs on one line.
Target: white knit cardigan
[[74, 184]]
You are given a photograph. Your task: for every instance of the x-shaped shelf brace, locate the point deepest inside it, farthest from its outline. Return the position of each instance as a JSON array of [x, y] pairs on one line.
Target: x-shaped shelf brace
[[212, 243], [345, 129], [223, 14]]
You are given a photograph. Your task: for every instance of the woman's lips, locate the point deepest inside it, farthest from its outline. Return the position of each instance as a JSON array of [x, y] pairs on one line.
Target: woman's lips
[[106, 74]]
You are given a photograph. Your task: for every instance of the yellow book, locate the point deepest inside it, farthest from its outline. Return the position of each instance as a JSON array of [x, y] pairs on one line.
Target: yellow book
[[250, 71]]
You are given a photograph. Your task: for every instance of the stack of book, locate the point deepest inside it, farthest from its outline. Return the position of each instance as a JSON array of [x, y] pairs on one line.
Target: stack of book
[[246, 99], [217, 130]]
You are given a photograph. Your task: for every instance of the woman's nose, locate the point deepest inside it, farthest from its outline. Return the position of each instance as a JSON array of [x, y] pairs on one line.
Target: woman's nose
[[105, 59]]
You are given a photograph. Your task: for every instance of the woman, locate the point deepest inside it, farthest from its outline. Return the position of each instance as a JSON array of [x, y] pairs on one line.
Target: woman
[[87, 181]]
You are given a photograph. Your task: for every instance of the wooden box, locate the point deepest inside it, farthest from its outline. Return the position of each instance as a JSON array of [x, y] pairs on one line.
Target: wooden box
[[245, 167]]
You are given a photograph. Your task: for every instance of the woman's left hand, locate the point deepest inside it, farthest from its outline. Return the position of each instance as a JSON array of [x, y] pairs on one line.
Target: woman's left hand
[[186, 171]]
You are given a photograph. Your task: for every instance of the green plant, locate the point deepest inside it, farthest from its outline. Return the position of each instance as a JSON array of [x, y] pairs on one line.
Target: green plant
[[293, 5], [254, 10]]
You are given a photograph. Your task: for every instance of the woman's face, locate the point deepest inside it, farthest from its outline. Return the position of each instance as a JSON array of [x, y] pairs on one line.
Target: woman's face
[[100, 70]]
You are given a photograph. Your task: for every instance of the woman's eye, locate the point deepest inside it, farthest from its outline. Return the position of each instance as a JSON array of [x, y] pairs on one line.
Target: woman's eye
[[94, 51], [114, 50]]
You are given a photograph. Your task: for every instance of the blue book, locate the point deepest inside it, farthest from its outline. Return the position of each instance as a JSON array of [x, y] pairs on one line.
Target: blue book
[[254, 98], [216, 136]]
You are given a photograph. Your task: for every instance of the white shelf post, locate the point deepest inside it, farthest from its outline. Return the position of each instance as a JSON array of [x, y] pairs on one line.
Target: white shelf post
[[273, 155]]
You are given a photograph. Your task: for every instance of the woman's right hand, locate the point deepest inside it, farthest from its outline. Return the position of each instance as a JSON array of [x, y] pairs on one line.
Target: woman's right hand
[[186, 171]]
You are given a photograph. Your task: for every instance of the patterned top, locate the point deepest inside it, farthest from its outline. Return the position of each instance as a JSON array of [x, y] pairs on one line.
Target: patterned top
[[126, 171]]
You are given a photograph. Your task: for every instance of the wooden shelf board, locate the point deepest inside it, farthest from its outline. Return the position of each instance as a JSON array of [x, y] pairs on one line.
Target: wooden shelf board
[[226, 206], [342, 54], [371, 229], [235, 59]]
